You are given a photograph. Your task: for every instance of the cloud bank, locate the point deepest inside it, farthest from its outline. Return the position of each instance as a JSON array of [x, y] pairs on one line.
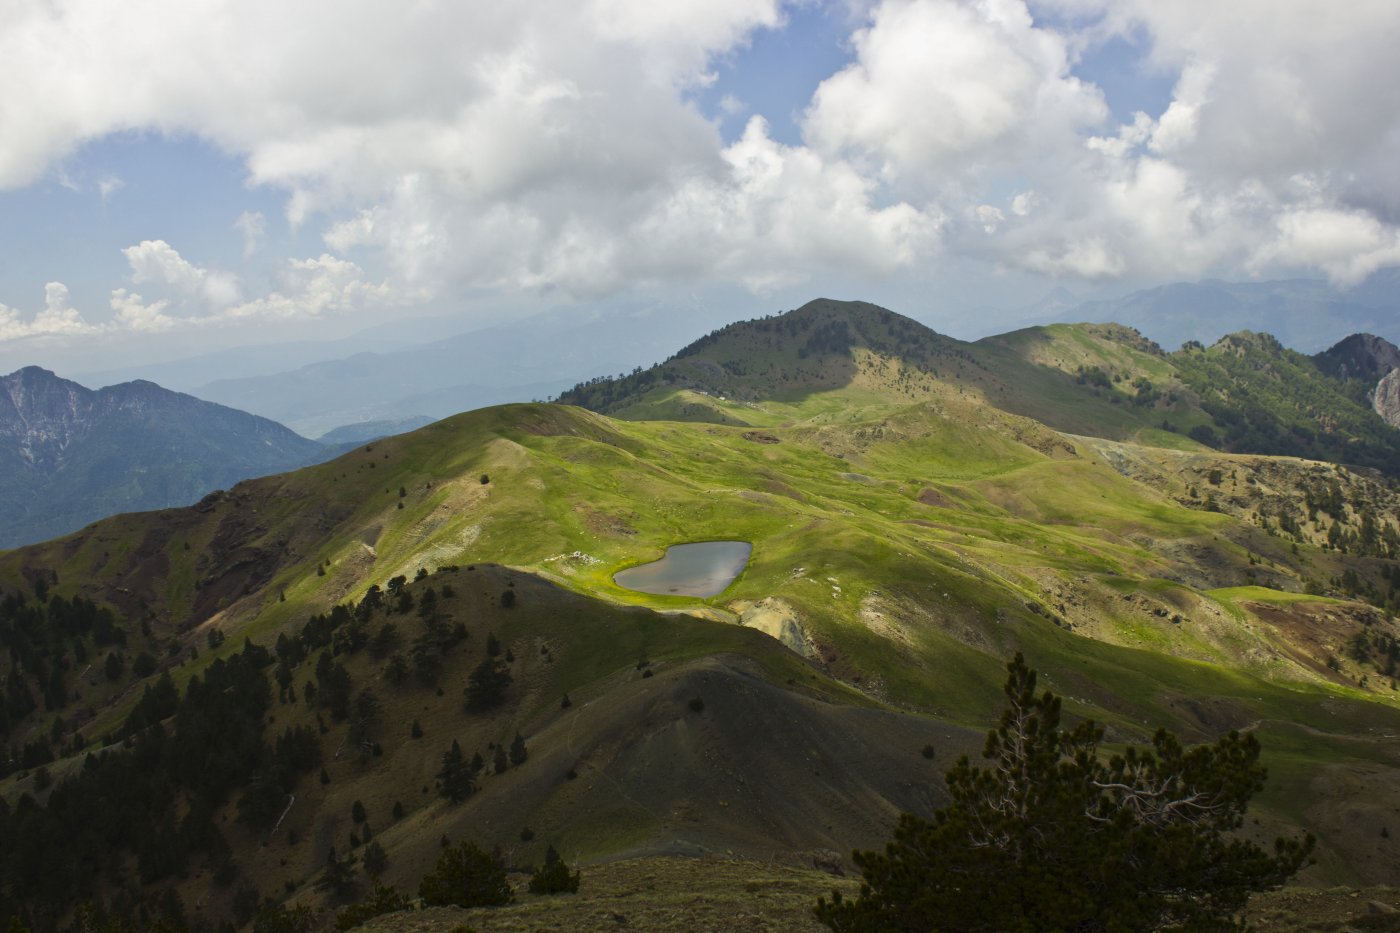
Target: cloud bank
[[558, 145], [198, 297]]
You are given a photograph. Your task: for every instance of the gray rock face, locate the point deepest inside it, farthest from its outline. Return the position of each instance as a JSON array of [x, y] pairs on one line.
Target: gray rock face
[[39, 414], [1387, 398]]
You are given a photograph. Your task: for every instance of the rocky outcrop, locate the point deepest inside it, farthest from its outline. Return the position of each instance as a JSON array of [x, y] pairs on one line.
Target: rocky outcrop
[[1387, 398], [1373, 360]]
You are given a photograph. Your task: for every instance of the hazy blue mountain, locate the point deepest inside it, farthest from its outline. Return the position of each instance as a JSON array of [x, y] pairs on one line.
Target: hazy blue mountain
[[188, 373], [70, 455], [533, 358], [1304, 314], [362, 431]]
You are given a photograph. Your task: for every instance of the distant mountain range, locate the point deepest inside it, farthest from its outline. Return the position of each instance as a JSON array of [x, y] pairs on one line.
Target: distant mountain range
[[1304, 314], [70, 455], [535, 357], [363, 431], [511, 362]]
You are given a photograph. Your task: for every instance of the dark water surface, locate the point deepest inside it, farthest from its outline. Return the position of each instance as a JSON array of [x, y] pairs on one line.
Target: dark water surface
[[701, 569]]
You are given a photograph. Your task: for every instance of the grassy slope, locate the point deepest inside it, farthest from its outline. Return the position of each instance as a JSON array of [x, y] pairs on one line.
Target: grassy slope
[[837, 501], [918, 536], [910, 548]]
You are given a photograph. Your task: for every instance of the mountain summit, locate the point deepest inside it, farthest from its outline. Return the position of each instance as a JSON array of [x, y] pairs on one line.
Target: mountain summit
[[1245, 394], [70, 455], [1372, 364]]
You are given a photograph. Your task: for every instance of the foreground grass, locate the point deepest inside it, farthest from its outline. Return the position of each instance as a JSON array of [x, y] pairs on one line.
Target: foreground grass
[[676, 893], [658, 894]]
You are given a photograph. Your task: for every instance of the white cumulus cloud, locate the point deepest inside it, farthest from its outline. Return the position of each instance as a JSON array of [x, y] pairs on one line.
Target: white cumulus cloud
[[558, 146], [158, 262], [942, 85], [1347, 245], [133, 314], [314, 288], [58, 317]]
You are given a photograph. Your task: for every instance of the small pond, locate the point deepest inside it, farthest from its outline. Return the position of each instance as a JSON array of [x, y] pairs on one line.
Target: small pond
[[702, 569]]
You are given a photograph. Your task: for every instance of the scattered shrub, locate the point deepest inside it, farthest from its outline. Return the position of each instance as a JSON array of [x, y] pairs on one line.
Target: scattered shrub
[[554, 877], [466, 876]]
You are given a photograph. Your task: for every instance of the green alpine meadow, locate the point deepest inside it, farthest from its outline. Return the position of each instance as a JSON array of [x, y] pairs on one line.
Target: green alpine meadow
[[403, 688]]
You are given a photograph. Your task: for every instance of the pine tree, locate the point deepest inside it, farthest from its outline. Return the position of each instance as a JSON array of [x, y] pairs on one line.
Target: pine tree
[[386, 900], [364, 715], [456, 779], [500, 764], [518, 754], [375, 860], [486, 686], [554, 877], [338, 875], [468, 877], [396, 670], [272, 917], [1053, 837]]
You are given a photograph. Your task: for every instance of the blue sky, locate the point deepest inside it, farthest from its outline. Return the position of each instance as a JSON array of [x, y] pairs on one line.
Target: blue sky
[[181, 190], [183, 179]]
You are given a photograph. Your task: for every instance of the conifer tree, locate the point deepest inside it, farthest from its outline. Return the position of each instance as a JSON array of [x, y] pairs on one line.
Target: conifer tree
[[272, 917], [338, 875], [1054, 836], [486, 686], [468, 877], [554, 877], [375, 860], [456, 778]]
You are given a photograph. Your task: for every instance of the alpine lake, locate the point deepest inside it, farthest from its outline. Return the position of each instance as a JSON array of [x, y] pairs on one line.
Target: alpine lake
[[702, 569]]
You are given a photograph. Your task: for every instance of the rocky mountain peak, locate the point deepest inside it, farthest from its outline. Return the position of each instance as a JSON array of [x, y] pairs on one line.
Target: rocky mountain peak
[[1360, 356], [1373, 360], [40, 413]]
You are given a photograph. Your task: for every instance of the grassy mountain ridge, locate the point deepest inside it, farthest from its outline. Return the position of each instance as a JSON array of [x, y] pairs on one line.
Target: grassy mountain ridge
[[980, 506], [1245, 394], [1267, 399], [908, 535]]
